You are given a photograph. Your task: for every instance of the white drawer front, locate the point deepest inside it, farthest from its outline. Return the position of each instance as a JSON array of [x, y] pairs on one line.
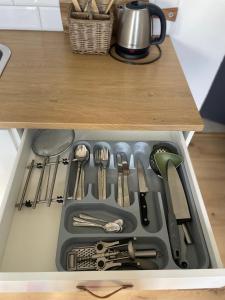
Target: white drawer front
[[35, 270]]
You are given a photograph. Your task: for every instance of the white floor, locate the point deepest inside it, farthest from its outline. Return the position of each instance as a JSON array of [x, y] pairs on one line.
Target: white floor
[[7, 157]]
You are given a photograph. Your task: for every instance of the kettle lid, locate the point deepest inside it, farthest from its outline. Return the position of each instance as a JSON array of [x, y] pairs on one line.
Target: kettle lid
[[136, 5]]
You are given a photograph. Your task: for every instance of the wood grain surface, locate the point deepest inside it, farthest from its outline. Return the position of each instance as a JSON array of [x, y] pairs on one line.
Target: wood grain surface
[[213, 294], [208, 157], [45, 85]]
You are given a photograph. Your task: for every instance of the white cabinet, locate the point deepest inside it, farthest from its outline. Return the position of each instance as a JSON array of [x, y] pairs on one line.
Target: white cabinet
[[8, 153], [36, 230]]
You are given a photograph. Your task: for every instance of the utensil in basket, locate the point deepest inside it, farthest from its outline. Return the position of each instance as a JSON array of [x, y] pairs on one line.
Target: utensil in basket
[[76, 5], [90, 36], [109, 6], [88, 9], [95, 7]]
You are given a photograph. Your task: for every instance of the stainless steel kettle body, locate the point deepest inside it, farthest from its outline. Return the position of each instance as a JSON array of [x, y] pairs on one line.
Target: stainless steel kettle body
[[134, 35]]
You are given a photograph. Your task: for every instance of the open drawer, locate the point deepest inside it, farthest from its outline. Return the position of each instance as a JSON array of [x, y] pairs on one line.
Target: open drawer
[[28, 238]]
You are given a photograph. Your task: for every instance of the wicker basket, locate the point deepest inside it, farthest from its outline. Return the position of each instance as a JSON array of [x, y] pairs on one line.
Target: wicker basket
[[90, 36]]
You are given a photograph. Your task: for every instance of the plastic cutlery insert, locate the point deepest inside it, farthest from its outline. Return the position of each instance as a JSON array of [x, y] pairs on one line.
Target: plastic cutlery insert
[[76, 243]]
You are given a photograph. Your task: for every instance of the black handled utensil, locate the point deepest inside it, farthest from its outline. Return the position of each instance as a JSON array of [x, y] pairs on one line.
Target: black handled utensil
[[143, 189]]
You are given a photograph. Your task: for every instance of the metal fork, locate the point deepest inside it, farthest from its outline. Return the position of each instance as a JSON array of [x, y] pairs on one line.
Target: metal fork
[[120, 199], [104, 157], [126, 172], [97, 160]]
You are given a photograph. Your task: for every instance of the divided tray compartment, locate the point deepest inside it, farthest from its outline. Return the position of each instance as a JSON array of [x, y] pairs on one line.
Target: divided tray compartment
[[139, 244], [99, 210], [155, 234]]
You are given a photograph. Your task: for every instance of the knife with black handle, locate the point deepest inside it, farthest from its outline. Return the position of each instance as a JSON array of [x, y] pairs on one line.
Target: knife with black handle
[[143, 189], [143, 209]]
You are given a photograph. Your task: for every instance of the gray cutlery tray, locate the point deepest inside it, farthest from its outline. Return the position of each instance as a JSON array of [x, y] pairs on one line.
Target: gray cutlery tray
[[155, 235]]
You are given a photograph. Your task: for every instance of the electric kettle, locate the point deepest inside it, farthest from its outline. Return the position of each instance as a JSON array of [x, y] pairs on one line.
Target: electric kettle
[[134, 35]]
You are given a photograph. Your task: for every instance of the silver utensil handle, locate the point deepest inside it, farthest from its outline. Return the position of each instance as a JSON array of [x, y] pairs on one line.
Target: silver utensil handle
[[53, 181], [78, 224], [82, 184], [80, 191], [146, 253], [39, 183], [26, 185], [104, 187], [99, 183], [76, 219], [186, 234], [88, 217], [120, 190], [81, 221], [126, 197], [77, 179]]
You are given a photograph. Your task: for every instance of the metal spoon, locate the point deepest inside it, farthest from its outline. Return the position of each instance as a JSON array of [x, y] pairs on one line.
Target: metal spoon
[[81, 155], [108, 227], [88, 217], [120, 222]]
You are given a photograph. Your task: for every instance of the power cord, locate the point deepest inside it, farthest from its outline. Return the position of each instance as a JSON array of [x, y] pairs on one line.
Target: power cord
[[132, 62]]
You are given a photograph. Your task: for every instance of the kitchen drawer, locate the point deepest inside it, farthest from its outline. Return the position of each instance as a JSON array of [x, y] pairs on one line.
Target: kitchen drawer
[[36, 230]]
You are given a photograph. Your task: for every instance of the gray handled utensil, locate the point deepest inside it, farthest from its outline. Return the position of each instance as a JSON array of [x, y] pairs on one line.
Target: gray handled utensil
[[164, 162]]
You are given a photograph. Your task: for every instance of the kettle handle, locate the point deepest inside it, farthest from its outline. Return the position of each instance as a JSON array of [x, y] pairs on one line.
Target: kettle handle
[[154, 10]]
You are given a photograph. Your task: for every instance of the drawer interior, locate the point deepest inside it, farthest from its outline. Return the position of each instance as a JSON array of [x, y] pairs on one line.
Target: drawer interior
[[29, 238]]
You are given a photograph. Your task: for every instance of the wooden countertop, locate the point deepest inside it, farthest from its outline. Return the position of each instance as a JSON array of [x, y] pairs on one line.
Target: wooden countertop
[[46, 86]]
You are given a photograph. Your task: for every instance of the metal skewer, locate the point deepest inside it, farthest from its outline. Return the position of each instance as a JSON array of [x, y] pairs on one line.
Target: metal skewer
[[26, 185], [39, 183], [53, 181]]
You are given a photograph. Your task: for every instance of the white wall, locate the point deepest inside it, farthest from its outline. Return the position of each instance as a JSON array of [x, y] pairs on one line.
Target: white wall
[[7, 157], [30, 15], [45, 14], [199, 40]]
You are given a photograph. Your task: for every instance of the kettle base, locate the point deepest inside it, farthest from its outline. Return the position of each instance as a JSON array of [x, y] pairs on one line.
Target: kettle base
[[131, 53]]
